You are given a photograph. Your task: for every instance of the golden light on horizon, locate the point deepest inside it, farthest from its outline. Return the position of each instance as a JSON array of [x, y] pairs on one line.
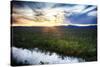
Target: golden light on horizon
[[45, 17]]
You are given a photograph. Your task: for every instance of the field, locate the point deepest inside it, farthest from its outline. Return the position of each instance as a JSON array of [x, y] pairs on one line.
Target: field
[[70, 41]]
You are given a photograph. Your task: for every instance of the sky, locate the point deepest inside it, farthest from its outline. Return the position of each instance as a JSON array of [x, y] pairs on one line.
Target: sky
[[26, 13]]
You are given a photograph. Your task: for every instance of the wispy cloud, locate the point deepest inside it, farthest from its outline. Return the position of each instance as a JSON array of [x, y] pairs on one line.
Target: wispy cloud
[[31, 12], [89, 9], [77, 8], [92, 13]]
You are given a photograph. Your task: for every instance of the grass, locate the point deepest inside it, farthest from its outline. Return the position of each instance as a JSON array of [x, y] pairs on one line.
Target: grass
[[80, 42]]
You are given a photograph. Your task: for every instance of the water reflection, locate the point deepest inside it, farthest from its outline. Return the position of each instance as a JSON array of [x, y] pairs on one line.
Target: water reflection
[[36, 56]]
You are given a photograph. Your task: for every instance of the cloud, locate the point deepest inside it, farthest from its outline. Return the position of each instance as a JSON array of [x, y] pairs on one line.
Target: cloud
[[92, 13], [45, 12], [89, 9], [74, 8], [78, 8]]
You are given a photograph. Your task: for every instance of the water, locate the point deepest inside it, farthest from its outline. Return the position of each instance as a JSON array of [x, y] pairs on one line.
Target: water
[[36, 56]]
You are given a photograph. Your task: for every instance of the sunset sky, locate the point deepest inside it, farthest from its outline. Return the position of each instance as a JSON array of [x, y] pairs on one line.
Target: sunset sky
[[52, 14]]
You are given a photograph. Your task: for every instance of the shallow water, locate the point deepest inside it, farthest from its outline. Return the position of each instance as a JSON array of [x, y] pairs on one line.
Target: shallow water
[[36, 56]]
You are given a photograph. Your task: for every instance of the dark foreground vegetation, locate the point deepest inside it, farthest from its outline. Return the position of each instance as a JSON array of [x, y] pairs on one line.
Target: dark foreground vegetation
[[70, 41]]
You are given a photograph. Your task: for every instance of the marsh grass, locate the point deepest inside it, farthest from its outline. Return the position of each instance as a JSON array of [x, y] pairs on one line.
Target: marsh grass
[[80, 42]]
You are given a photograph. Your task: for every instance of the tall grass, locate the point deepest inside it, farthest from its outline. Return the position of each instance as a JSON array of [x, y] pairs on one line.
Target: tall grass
[[80, 42]]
